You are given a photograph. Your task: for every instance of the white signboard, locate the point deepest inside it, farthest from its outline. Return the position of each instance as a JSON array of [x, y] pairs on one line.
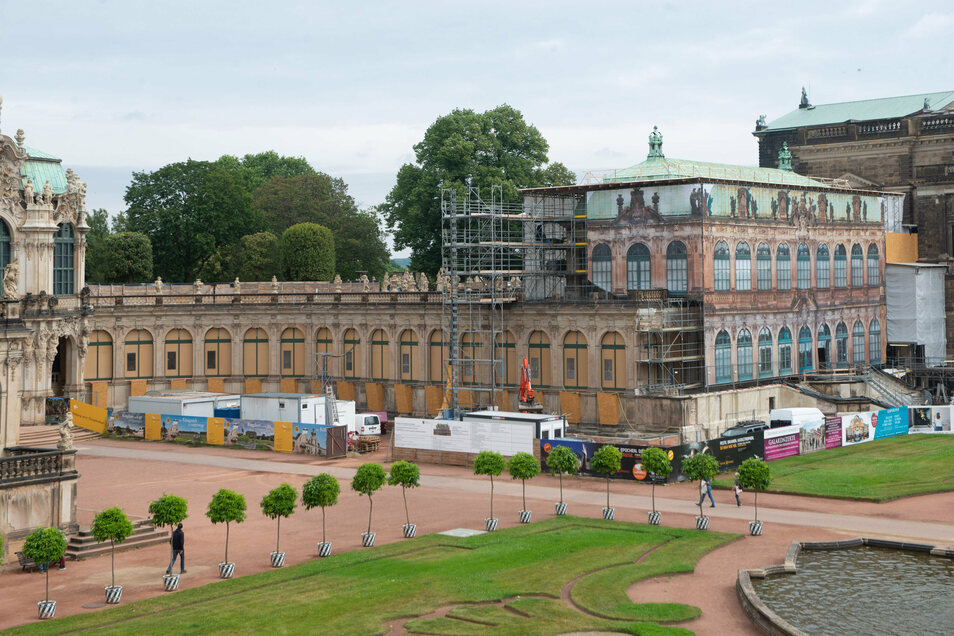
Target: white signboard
[[506, 438], [858, 427]]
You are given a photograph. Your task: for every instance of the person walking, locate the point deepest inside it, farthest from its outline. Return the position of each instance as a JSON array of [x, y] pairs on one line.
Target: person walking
[[737, 490], [705, 488], [178, 550]]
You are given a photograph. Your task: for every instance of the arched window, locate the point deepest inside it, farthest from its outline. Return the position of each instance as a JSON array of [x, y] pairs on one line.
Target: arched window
[[805, 357], [292, 353], [506, 357], [539, 350], [723, 358], [824, 347], [325, 361], [99, 360], [841, 345], [408, 355], [763, 265], [784, 351], [603, 267], [804, 264], [380, 355], [4, 246], [64, 273], [874, 266], [677, 268], [437, 356], [743, 347], [218, 352], [858, 343], [638, 267], [138, 351], [783, 267], [822, 268], [874, 342], [857, 266], [743, 267], [765, 353], [841, 266], [470, 346], [574, 360], [178, 351], [351, 348], [720, 266], [255, 353], [613, 362]]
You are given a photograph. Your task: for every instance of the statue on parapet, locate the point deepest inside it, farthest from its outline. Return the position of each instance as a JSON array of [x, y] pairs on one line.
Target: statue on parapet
[[158, 284], [66, 433], [365, 283], [11, 274]]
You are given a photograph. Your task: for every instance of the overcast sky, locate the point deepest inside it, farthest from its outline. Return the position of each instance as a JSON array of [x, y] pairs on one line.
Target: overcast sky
[[113, 87]]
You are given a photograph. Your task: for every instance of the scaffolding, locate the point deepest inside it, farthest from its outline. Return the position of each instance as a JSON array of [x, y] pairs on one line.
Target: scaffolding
[[670, 333], [493, 253]]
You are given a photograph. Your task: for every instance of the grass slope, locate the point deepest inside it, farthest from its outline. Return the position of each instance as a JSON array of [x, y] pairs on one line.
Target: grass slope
[[507, 582], [874, 471]]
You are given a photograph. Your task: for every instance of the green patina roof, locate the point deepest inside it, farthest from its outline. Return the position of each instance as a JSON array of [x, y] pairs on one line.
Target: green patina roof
[[864, 110], [658, 168], [42, 167]]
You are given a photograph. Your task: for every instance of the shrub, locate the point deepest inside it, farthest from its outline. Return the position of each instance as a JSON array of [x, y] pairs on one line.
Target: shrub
[[278, 503], [45, 546], [492, 464], [523, 466], [698, 467], [561, 461], [226, 506], [321, 490], [754, 474], [367, 480], [308, 252], [406, 475], [656, 462], [607, 461], [111, 524]]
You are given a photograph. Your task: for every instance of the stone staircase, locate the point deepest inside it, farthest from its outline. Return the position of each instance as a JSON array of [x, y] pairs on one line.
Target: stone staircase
[[47, 436], [82, 545]]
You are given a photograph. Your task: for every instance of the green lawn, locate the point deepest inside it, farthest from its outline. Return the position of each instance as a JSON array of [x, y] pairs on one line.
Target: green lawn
[[506, 582], [874, 471]]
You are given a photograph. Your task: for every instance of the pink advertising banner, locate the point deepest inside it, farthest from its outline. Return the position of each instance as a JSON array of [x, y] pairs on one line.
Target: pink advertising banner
[[781, 442], [833, 432]]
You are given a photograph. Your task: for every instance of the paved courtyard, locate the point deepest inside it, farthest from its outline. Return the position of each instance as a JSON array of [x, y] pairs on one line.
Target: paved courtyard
[[131, 474]]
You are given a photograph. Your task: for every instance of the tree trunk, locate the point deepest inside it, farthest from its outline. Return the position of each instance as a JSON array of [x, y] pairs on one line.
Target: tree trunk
[[47, 582], [278, 535], [654, 496], [561, 488], [756, 505], [491, 496], [323, 524], [607, 492], [112, 559], [370, 510], [524, 483], [226, 541], [407, 515]]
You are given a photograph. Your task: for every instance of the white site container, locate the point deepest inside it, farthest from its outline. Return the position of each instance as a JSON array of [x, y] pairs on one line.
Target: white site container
[[544, 426], [197, 404], [306, 408]]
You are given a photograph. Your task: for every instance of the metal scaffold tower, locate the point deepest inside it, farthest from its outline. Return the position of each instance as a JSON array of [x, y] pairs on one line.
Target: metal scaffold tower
[[495, 253]]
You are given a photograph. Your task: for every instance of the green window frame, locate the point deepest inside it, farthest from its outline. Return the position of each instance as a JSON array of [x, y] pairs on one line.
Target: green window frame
[[64, 261]]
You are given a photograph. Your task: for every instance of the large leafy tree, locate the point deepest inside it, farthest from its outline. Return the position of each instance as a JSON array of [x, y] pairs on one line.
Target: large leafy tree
[[318, 198], [127, 258], [465, 148], [256, 170], [98, 221], [308, 252], [189, 210], [257, 257]]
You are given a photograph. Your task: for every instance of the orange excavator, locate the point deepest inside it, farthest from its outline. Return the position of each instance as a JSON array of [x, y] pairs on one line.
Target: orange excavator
[[527, 402]]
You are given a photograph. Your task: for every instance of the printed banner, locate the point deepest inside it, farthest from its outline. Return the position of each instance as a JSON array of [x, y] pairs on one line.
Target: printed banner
[[782, 442], [88, 416], [892, 422], [921, 418], [811, 437], [940, 419], [506, 438], [153, 426], [858, 428], [126, 424], [833, 432]]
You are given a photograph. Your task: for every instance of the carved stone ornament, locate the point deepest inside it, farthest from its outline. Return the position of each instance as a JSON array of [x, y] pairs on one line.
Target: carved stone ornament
[[11, 275]]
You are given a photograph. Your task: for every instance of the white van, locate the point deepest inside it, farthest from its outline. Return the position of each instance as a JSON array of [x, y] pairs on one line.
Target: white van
[[795, 417]]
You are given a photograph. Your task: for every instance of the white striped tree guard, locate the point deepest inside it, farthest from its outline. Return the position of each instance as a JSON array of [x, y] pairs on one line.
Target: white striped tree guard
[[525, 516], [46, 608], [277, 558], [755, 528], [114, 593], [226, 570], [410, 530], [367, 539], [654, 518], [490, 524], [170, 582], [560, 509], [324, 549], [609, 513], [702, 523]]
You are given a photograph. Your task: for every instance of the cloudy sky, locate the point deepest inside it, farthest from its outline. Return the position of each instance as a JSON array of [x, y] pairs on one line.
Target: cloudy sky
[[113, 87]]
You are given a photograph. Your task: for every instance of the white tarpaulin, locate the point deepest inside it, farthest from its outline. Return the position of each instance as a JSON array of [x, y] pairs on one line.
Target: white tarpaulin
[[506, 438], [914, 296]]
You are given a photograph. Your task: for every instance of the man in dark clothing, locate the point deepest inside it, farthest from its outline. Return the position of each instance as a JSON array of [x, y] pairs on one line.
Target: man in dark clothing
[[178, 550]]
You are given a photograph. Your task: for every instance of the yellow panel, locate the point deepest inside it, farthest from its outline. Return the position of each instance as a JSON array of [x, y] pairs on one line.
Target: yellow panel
[[215, 431], [283, 437], [345, 390], [88, 416], [178, 383], [253, 385], [100, 394], [153, 426], [608, 406], [217, 385], [570, 405], [901, 248], [404, 398], [433, 396], [137, 387], [375, 395], [289, 385]]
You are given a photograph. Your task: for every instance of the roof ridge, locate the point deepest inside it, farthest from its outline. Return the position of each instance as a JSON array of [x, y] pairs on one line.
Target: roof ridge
[[877, 99]]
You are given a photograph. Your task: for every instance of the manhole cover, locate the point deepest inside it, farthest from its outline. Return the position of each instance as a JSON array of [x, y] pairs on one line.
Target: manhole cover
[[93, 605]]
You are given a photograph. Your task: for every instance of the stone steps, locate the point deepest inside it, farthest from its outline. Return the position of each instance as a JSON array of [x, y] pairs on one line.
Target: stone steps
[[47, 436], [82, 545]]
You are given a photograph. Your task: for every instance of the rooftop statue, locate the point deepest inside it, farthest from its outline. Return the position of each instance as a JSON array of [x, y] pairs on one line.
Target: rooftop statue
[[785, 158], [655, 145], [804, 102]]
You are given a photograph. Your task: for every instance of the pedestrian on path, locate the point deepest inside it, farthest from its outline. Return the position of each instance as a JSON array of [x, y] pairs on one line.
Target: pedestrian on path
[[178, 550], [705, 488], [737, 490]]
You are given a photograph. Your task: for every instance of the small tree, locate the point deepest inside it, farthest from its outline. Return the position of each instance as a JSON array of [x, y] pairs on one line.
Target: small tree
[[698, 467], [168, 510], [367, 480], [561, 461], [754, 474], [321, 490], [489, 463], [226, 506], [308, 252], [45, 546], [406, 475], [606, 461], [111, 524], [278, 503], [656, 462], [523, 466]]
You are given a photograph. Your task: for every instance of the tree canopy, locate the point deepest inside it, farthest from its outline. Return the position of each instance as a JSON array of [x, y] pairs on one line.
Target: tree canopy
[[461, 149], [98, 221], [308, 252], [127, 258], [258, 257]]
